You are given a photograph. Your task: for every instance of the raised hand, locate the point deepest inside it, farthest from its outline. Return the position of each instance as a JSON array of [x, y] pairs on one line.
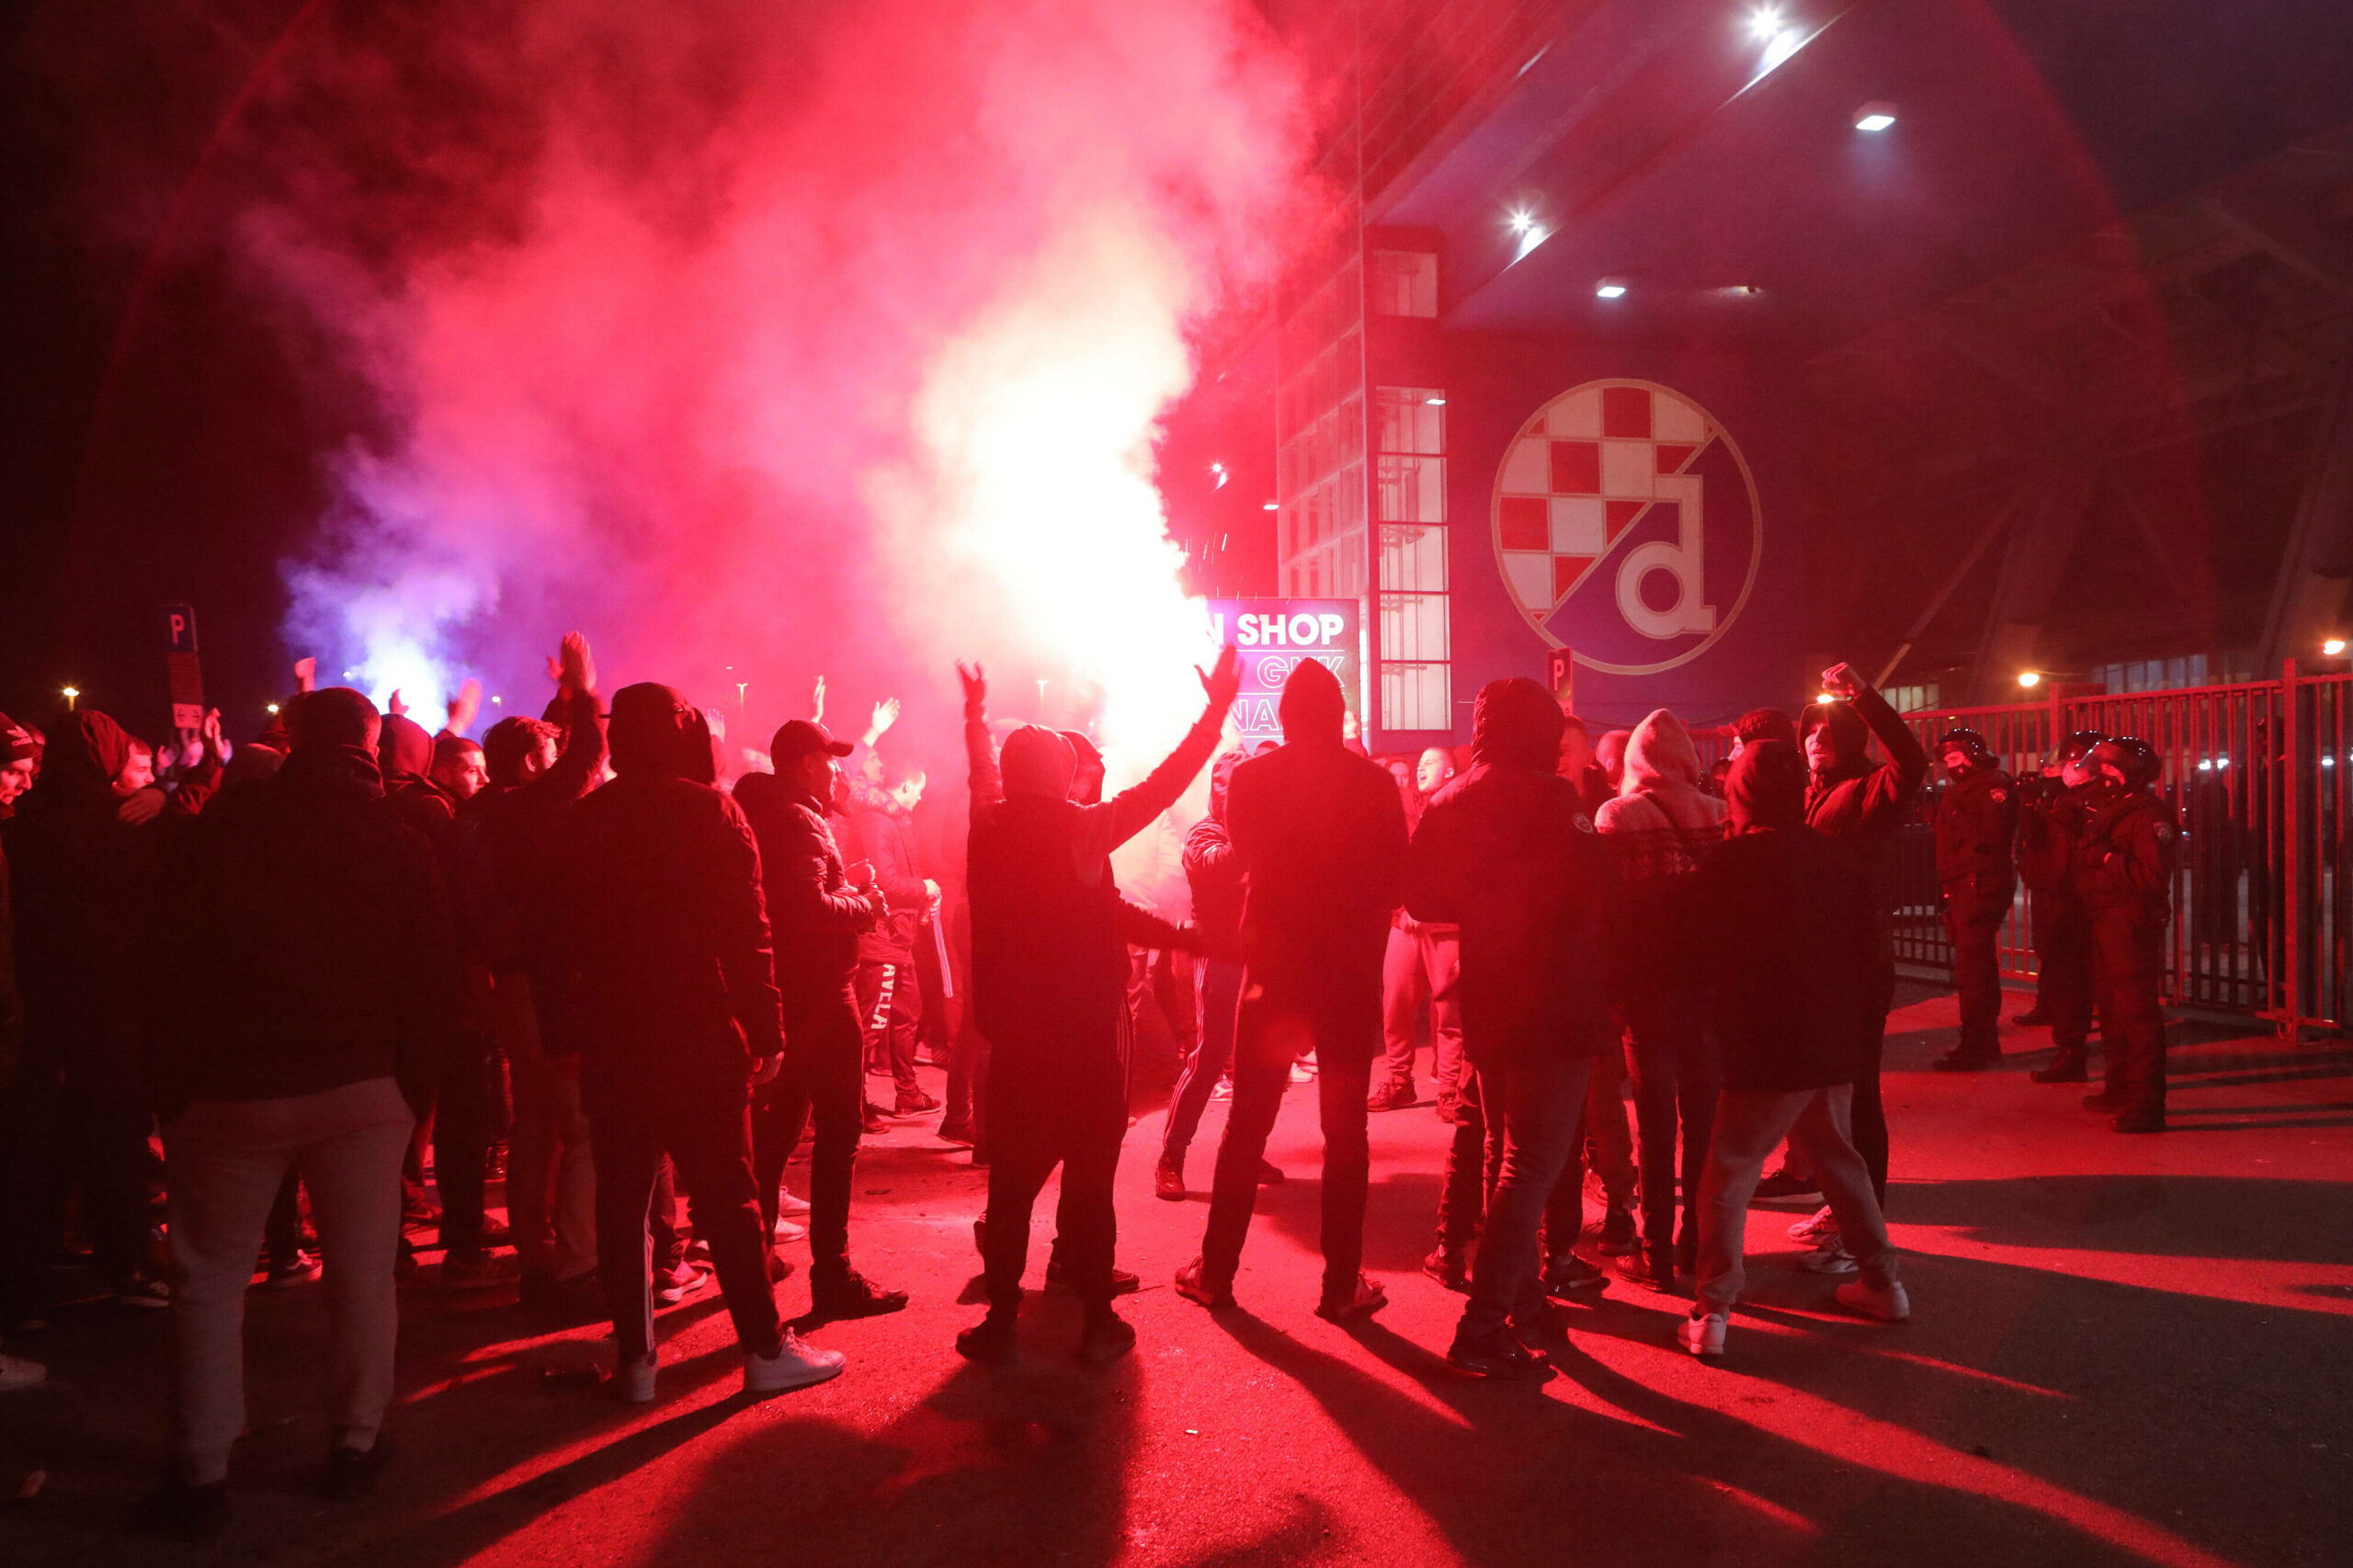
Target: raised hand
[[306, 674], [886, 713], [976, 688], [1224, 679], [1840, 680], [400, 708], [464, 705], [211, 732], [817, 702], [574, 667]]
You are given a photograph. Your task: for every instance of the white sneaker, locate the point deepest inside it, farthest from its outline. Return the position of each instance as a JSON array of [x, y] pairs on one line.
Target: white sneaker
[[795, 1365], [1815, 1228], [788, 1204], [15, 1372], [1830, 1258], [789, 1229], [1703, 1332], [633, 1380], [1888, 1303]]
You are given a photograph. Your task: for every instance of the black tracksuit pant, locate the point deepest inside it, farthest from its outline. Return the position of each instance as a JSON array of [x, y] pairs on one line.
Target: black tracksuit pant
[[1048, 1107]]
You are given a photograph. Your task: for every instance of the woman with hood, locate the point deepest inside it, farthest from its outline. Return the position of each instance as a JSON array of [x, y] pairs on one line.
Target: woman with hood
[[1852, 799], [1509, 854], [1782, 943], [1662, 826]]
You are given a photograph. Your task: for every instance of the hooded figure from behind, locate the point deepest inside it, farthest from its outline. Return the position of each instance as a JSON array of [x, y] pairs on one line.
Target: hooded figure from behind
[[1507, 854], [1050, 970], [315, 939], [1318, 831], [656, 897]]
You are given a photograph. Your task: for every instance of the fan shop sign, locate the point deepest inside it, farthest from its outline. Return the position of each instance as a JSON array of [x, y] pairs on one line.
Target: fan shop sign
[[1627, 526], [1273, 637]]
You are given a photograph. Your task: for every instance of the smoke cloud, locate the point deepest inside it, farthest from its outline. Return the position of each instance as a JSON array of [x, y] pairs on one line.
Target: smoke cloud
[[763, 341]]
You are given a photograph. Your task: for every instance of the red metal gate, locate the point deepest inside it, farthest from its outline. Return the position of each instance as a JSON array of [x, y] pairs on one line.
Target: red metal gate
[[2263, 898]]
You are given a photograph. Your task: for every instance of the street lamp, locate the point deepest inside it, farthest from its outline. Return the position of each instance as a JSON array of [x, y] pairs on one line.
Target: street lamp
[[71, 693]]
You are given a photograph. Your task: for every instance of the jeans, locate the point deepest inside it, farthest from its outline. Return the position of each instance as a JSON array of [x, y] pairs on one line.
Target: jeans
[[1673, 1062], [1869, 1112], [1748, 1124], [1213, 1055], [1273, 1032], [699, 1114], [550, 1178], [228, 1160], [1424, 962], [1537, 1104], [822, 1086]]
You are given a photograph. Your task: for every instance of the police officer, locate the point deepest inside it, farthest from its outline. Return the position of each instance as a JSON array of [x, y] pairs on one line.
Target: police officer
[[2121, 866], [2047, 822], [1977, 820]]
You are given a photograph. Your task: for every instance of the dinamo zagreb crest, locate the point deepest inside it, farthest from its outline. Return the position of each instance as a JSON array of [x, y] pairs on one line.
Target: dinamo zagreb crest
[[1627, 526]]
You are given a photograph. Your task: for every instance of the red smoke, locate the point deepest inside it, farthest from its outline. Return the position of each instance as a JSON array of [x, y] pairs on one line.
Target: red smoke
[[764, 340]]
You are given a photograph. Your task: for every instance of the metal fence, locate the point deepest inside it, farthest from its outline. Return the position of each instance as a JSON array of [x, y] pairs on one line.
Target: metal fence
[[2263, 897]]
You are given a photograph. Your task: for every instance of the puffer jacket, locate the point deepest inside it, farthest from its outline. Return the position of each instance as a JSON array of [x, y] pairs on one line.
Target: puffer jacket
[[1660, 828], [1506, 853]]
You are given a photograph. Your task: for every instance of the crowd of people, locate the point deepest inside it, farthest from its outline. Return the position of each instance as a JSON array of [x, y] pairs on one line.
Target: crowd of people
[[265, 981]]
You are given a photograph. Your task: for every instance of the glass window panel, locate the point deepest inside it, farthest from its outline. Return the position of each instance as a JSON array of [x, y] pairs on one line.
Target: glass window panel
[[1413, 559], [1411, 490], [1413, 626], [1417, 697], [1404, 283]]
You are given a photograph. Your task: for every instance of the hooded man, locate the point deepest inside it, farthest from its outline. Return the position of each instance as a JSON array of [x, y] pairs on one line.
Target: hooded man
[[86, 851], [1661, 826], [1050, 969], [1784, 943], [1849, 797], [1320, 833], [316, 951], [1509, 854], [820, 917], [656, 892]]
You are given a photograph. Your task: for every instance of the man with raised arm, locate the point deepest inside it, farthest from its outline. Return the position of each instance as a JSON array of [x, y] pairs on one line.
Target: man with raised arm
[[1050, 969]]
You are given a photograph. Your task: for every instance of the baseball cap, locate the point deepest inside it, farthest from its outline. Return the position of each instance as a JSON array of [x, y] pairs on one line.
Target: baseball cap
[[796, 738]]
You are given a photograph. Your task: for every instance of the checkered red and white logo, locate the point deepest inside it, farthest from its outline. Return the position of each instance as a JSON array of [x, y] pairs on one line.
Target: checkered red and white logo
[[1627, 527]]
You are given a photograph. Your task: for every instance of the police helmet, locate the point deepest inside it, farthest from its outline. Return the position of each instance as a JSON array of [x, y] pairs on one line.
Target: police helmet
[[2135, 757], [2077, 745], [1970, 743]]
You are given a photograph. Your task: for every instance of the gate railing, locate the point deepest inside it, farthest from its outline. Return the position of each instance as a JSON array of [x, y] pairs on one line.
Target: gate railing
[[2257, 776]]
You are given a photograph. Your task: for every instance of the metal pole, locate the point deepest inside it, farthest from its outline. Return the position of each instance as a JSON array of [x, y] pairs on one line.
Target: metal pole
[[2291, 852]]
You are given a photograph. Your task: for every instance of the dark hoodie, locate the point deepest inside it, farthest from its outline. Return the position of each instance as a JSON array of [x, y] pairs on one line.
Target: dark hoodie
[[1320, 833], [1507, 853], [658, 928], [314, 942], [404, 753], [1863, 804], [86, 867], [1781, 937], [1050, 929]]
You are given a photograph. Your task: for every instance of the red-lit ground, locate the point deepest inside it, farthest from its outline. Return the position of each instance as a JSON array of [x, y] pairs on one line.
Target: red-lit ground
[[2126, 1349]]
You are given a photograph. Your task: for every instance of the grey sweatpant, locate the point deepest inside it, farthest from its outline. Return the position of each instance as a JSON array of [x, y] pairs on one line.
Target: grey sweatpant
[[226, 1159]]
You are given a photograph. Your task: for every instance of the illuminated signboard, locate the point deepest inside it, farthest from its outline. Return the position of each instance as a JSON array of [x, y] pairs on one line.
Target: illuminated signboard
[[1272, 636]]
